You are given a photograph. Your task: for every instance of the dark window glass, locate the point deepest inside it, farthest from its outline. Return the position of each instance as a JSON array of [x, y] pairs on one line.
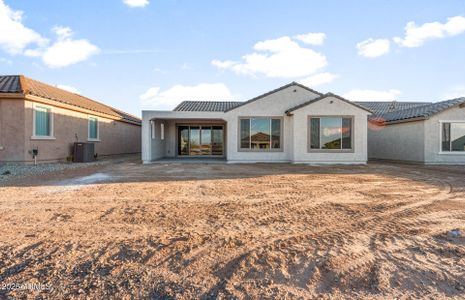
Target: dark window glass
[[457, 136], [260, 133], [346, 133], [315, 133], [217, 140], [445, 136], [42, 125], [183, 140], [245, 133], [93, 128], [206, 140], [330, 132], [275, 133], [195, 140]]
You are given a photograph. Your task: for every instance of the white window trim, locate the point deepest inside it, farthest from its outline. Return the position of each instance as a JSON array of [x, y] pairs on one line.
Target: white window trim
[[162, 131], [152, 129], [441, 122], [89, 139], [42, 137], [281, 136], [322, 150]]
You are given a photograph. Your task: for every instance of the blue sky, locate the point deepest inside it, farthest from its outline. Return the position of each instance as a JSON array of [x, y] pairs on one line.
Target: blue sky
[[149, 54]]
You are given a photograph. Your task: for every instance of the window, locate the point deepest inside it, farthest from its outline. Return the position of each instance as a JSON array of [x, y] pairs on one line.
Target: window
[[330, 133], [162, 131], [93, 129], [453, 137], [261, 134], [43, 122], [152, 129]]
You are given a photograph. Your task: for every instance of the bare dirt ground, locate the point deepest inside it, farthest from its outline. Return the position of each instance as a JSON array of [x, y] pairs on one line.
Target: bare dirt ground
[[128, 231]]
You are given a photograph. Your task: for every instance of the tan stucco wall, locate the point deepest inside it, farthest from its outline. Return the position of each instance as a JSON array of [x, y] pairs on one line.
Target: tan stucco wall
[[12, 130], [17, 128]]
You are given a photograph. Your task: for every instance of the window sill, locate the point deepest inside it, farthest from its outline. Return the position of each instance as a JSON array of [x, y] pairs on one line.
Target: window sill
[[331, 151], [93, 140], [42, 137], [261, 151], [452, 153]]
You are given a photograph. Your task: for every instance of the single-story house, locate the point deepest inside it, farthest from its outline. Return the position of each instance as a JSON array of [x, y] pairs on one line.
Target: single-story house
[[418, 132], [36, 117], [290, 124]]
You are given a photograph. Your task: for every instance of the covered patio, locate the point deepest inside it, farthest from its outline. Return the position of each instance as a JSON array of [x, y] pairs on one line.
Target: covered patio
[[185, 138]]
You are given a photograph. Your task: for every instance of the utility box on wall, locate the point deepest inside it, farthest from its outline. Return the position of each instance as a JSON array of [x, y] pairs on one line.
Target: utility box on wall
[[84, 152]]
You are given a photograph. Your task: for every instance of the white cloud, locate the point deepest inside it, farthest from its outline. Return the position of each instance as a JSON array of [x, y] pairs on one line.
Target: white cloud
[[68, 88], [136, 3], [226, 64], [311, 38], [372, 95], [415, 36], [373, 48], [318, 79], [14, 36], [66, 51], [168, 99], [278, 58]]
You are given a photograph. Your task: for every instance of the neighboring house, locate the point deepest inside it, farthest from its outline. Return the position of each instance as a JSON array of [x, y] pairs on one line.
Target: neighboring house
[[290, 124], [427, 133], [37, 116]]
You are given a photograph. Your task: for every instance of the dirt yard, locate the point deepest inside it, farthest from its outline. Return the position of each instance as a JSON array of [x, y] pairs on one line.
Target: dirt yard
[[234, 231]]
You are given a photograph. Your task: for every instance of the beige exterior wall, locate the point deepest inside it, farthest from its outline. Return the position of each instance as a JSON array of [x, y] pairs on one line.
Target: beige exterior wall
[[12, 131], [294, 138], [330, 106], [433, 153], [17, 130], [397, 142], [418, 141], [273, 105]]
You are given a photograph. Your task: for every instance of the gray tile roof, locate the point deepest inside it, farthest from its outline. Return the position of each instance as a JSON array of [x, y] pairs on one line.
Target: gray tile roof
[[382, 107], [27, 86], [209, 106], [418, 112], [10, 84]]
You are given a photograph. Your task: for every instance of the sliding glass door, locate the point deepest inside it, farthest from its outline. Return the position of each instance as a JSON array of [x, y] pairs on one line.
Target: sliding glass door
[[200, 140]]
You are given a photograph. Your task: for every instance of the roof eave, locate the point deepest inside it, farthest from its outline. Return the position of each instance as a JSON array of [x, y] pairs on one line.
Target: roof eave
[[17, 95], [422, 118], [324, 96], [67, 106]]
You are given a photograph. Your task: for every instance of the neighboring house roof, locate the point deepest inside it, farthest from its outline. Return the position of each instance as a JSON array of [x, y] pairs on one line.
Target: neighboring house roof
[[382, 107], [28, 86], [274, 91], [213, 106], [323, 97], [10, 84], [421, 112], [260, 137]]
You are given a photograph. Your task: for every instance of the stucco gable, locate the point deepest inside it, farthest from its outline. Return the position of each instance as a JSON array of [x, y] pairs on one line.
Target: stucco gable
[[327, 95], [276, 91]]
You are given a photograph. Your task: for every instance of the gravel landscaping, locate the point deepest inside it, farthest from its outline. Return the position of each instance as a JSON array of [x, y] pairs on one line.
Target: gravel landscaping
[[11, 171]]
